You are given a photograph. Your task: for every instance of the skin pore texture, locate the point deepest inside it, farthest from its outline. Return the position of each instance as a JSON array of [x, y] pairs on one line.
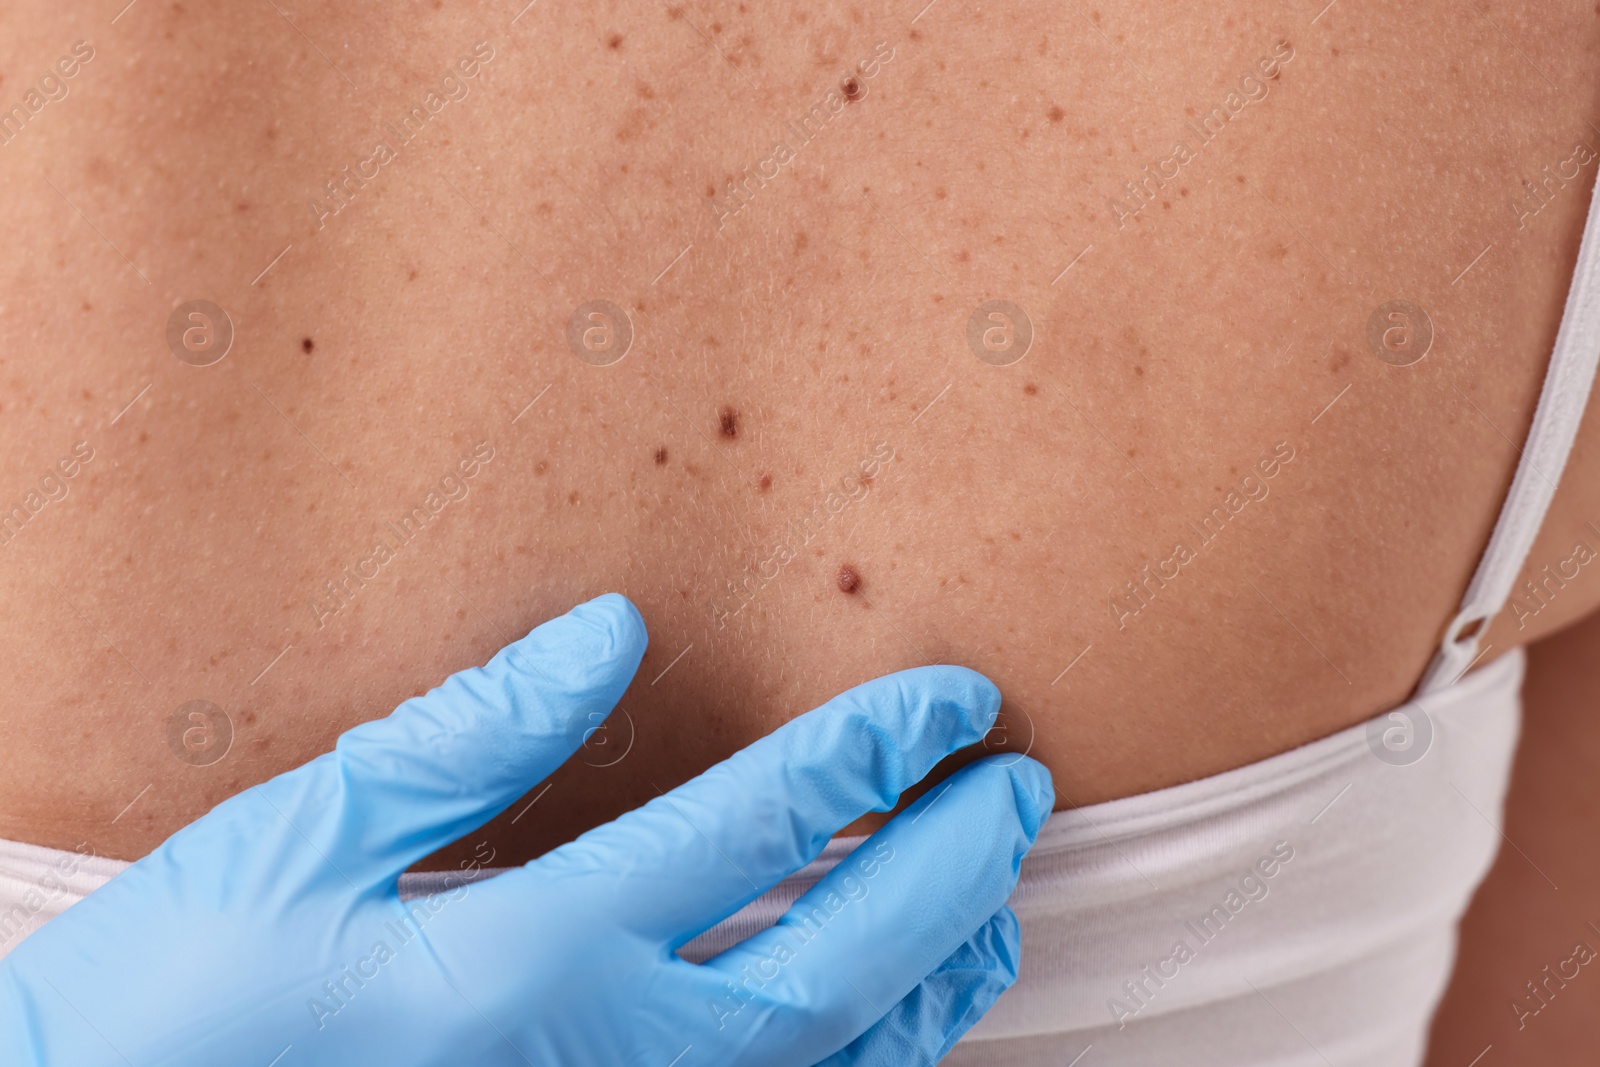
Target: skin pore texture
[[1198, 523]]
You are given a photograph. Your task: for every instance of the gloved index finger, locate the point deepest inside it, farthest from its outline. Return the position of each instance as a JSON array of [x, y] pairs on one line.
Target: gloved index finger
[[694, 856], [397, 788]]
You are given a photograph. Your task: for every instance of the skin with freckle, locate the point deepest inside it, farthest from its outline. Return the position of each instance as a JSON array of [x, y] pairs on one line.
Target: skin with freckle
[[306, 542]]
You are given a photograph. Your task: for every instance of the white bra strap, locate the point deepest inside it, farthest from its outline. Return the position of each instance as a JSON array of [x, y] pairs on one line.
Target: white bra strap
[[1555, 425]]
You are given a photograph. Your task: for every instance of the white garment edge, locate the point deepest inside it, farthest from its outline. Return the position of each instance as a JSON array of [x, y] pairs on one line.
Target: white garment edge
[[65, 877]]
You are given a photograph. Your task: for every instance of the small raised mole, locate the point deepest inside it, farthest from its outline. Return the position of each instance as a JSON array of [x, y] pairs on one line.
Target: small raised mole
[[728, 422], [307, 344], [849, 580], [661, 455], [852, 89]]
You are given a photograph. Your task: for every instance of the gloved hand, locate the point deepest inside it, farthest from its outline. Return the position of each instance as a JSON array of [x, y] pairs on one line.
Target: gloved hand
[[269, 933]]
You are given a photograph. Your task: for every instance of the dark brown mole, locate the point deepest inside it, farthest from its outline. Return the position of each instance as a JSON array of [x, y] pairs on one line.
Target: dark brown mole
[[614, 42], [765, 483], [728, 421], [661, 456], [852, 89], [849, 580], [306, 344]]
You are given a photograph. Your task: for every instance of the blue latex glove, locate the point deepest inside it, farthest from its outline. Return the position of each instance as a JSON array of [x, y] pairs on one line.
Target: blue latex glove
[[269, 933]]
